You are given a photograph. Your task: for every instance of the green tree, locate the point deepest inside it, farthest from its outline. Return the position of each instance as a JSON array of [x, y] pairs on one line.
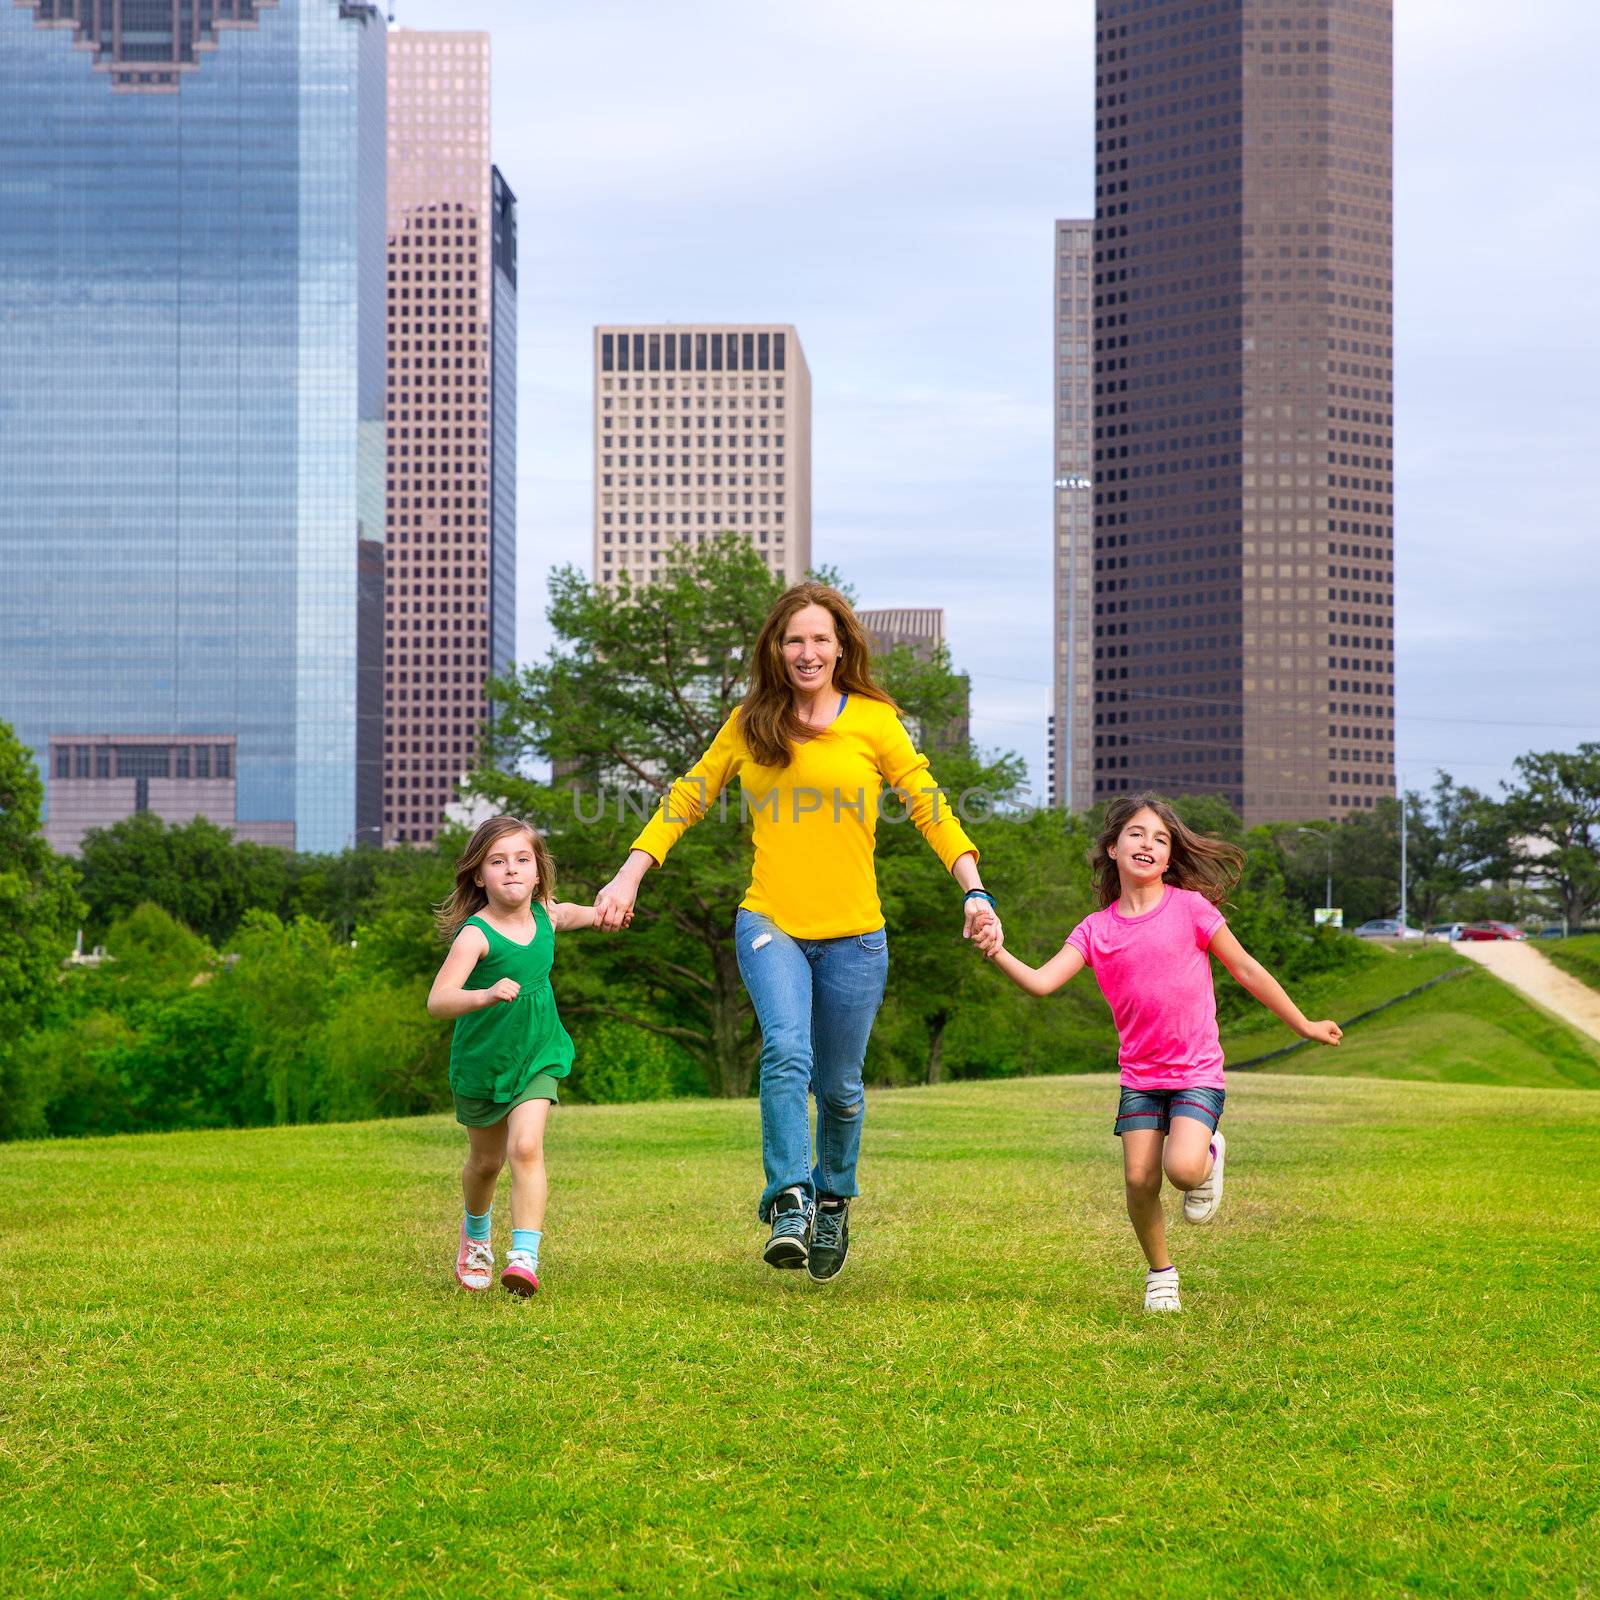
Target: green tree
[[1553, 813], [151, 950], [195, 870], [945, 1003], [282, 987], [633, 691], [39, 910], [1456, 838]]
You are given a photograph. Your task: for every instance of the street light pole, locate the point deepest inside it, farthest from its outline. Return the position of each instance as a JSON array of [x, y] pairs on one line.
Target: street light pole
[[1402, 860], [1326, 835]]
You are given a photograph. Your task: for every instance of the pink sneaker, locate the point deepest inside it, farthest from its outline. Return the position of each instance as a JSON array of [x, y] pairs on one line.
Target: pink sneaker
[[474, 1262], [519, 1276]]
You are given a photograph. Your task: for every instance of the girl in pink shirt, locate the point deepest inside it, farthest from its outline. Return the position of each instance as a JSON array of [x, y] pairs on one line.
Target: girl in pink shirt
[[1158, 884]]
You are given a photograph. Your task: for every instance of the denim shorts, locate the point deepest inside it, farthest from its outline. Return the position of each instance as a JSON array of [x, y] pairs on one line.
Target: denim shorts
[[1155, 1108]]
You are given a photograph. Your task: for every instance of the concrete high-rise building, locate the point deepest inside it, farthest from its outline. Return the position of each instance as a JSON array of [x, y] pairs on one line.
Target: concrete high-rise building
[[1244, 403], [700, 429], [921, 630], [450, 596], [191, 411], [1069, 748]]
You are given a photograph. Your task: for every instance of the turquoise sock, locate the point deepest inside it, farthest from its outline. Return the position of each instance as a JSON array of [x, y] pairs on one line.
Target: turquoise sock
[[478, 1227], [527, 1239]]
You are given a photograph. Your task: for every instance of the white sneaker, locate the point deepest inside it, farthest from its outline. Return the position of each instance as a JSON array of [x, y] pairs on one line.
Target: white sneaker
[[1200, 1205], [1161, 1291], [474, 1262]]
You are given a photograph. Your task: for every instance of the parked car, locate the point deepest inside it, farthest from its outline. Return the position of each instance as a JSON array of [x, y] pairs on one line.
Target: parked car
[[1446, 930], [1492, 930], [1386, 928], [1554, 931]]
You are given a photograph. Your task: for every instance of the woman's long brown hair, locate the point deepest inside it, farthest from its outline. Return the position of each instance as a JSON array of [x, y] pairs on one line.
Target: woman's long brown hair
[[768, 720], [469, 897], [1208, 866]]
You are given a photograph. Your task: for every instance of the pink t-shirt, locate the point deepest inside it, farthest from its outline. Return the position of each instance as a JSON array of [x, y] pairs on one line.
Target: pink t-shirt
[[1156, 977]]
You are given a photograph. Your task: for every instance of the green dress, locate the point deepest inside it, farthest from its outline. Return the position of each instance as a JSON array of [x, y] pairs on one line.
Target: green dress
[[514, 1051]]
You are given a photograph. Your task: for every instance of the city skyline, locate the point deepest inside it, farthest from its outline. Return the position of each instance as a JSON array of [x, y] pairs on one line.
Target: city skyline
[[883, 213]]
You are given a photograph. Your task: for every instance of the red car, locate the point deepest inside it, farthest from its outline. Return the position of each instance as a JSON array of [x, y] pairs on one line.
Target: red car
[[1492, 930]]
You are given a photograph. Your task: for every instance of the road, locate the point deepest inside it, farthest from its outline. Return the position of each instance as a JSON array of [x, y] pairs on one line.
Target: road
[[1526, 968]]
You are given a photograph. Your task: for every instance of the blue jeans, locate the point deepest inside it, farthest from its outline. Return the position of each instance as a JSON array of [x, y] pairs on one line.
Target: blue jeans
[[815, 1000]]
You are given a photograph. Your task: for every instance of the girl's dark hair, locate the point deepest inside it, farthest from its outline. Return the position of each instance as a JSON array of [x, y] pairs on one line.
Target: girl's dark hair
[[767, 718], [469, 896], [1208, 866]]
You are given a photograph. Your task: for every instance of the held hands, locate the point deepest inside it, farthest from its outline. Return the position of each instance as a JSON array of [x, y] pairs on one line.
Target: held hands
[[613, 906], [1323, 1032], [982, 926], [507, 989]]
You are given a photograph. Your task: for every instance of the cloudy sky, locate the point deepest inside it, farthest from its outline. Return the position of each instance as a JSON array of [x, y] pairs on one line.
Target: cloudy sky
[[885, 175]]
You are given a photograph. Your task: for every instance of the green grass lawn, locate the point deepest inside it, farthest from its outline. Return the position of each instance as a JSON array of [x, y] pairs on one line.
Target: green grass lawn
[[1470, 1029], [1580, 956], [236, 1363]]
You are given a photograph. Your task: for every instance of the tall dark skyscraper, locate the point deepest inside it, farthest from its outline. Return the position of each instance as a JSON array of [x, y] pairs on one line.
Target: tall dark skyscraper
[[1244, 403], [191, 411]]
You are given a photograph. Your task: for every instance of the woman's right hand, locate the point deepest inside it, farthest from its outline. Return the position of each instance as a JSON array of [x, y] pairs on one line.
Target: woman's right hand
[[613, 906], [506, 990]]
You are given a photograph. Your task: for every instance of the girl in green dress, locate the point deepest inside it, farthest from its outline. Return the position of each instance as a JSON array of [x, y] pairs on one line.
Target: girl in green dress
[[509, 1049]]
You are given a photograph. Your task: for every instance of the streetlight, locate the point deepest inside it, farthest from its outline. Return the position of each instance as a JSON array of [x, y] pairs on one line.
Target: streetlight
[[1325, 834]]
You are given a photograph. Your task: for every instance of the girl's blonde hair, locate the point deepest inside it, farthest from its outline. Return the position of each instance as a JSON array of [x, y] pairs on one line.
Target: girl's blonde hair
[[1208, 866], [469, 896], [767, 717]]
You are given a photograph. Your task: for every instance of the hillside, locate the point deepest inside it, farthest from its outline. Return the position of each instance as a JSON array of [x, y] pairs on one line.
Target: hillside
[[1423, 1012]]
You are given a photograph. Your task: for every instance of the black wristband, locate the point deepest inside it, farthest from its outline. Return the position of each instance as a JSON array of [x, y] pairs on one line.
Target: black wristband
[[983, 894]]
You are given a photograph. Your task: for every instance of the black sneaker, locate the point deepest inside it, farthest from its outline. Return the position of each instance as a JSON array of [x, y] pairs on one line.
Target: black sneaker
[[830, 1241], [791, 1230]]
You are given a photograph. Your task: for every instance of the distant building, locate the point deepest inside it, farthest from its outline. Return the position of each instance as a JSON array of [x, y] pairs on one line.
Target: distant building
[[921, 630], [1244, 403], [191, 411], [698, 430], [450, 590], [1070, 749]]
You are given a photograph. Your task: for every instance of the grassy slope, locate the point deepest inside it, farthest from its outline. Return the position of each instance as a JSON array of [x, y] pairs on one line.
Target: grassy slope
[[235, 1363], [1471, 1029], [1580, 957]]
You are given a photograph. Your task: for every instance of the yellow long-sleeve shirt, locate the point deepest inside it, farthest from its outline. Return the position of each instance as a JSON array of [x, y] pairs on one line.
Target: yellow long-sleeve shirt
[[816, 820]]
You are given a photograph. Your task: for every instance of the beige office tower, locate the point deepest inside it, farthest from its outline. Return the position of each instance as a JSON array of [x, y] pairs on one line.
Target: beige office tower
[[1069, 747], [450, 569], [700, 429], [921, 630]]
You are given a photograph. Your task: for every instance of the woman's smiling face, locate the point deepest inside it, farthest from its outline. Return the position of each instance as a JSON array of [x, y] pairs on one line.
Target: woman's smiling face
[[810, 649], [1143, 848]]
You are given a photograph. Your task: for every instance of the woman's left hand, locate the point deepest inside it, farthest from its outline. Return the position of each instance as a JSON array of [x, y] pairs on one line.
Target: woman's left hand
[[981, 924], [989, 936]]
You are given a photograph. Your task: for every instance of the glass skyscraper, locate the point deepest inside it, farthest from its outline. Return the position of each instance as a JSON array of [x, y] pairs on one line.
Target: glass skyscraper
[[192, 352]]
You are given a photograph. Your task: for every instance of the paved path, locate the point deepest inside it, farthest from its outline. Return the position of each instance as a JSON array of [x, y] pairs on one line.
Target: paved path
[[1529, 969]]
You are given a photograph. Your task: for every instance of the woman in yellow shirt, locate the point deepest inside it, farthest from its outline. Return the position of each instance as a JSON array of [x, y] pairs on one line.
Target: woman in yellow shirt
[[814, 743]]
